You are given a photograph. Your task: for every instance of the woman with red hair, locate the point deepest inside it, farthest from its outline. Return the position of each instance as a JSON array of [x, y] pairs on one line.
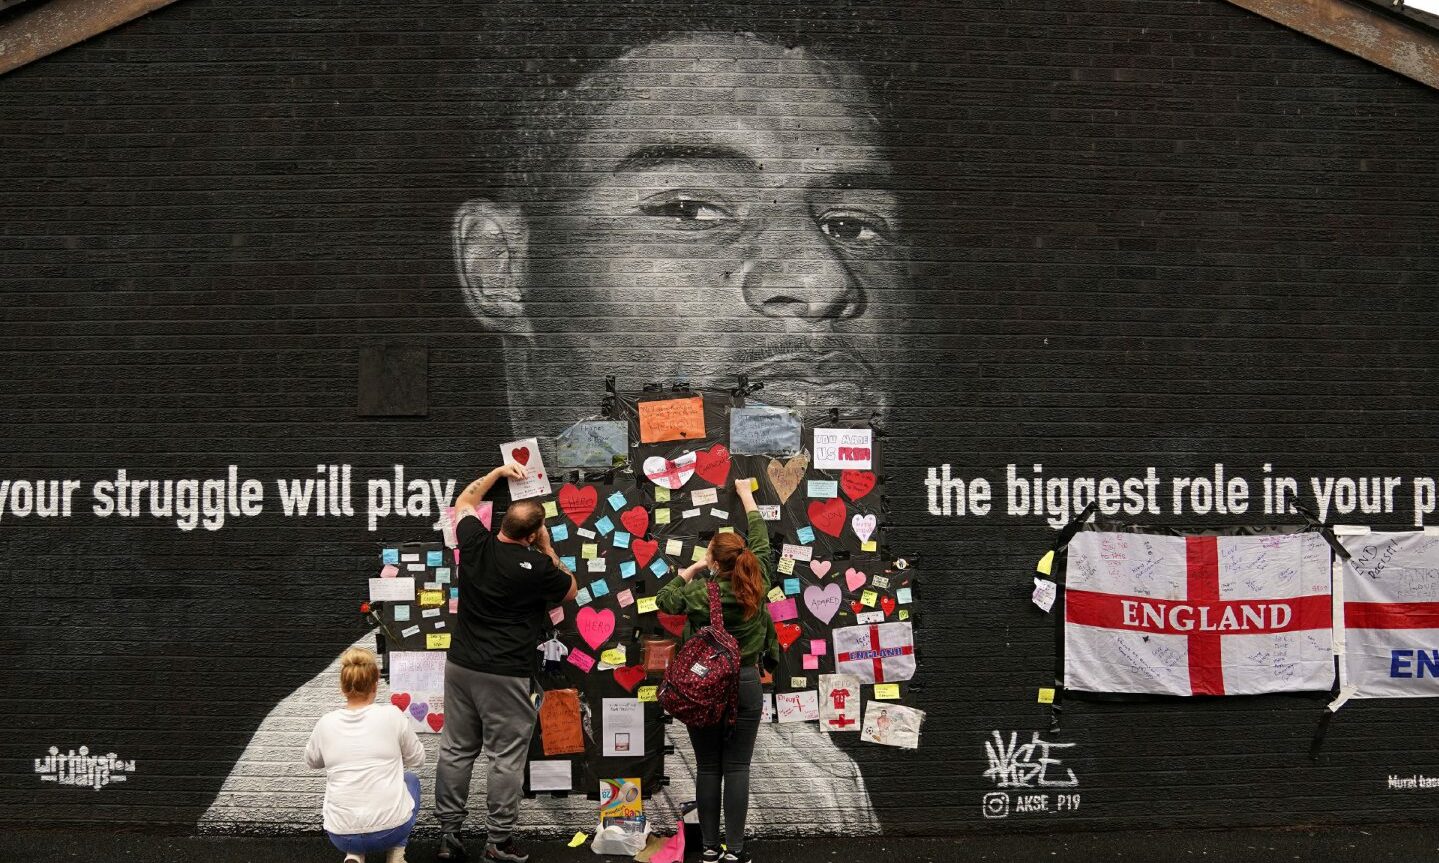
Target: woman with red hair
[[722, 755]]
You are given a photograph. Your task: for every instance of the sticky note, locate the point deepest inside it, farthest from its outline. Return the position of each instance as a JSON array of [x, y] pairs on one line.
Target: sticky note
[[550, 509], [442, 576], [560, 532], [648, 694], [568, 562], [869, 617], [660, 568], [725, 529], [769, 511], [775, 594], [662, 515], [674, 547], [595, 564], [886, 691], [785, 609], [430, 612], [791, 586], [691, 513], [557, 614], [719, 513], [869, 545], [432, 585], [406, 633], [810, 662], [437, 641], [454, 594], [613, 656], [818, 646], [411, 558], [583, 598], [805, 535], [402, 613], [581, 660], [390, 555], [431, 597], [627, 569], [753, 484], [662, 494], [579, 839], [1046, 563], [389, 571], [585, 532], [904, 614], [902, 596], [823, 488], [598, 588], [604, 525], [414, 567], [454, 606], [698, 554], [785, 565], [704, 496], [433, 558], [868, 598], [1046, 695], [646, 604], [617, 500], [625, 598], [589, 550], [798, 682], [880, 581], [621, 539]]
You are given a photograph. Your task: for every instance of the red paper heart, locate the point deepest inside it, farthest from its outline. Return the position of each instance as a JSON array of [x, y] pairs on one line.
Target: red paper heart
[[400, 700], [636, 520], [629, 677], [887, 603], [857, 606], [713, 464], [436, 721], [578, 503], [521, 454], [645, 550], [674, 624], [787, 633], [827, 515], [856, 483]]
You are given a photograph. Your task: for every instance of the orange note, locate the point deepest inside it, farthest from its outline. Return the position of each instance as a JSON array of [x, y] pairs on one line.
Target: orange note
[[560, 722], [672, 419]]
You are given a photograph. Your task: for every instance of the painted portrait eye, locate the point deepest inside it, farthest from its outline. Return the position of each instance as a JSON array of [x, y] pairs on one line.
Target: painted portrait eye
[[686, 212], [854, 227]]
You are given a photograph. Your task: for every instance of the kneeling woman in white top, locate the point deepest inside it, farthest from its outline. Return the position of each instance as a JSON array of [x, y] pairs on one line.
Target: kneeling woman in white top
[[371, 801]]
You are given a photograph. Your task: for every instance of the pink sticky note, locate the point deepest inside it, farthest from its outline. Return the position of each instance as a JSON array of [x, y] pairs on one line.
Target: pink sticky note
[[454, 606], [811, 661], [581, 660], [785, 609], [390, 571], [818, 646], [625, 598], [557, 614]]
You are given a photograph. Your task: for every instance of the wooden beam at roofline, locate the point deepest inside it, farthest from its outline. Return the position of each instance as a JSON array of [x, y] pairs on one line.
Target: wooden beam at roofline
[[1386, 40], [58, 24]]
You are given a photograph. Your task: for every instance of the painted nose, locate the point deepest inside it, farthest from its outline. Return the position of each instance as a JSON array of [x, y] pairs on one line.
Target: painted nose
[[795, 272]]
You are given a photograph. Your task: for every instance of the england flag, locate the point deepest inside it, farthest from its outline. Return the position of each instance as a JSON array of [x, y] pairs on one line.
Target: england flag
[[1197, 615], [1391, 615]]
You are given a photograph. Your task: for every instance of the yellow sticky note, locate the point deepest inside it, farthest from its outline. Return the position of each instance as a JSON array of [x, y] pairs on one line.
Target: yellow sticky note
[[725, 529], [869, 545], [776, 595], [646, 604], [430, 598], [438, 640], [1046, 696], [613, 656], [649, 693], [1046, 563], [580, 836], [662, 515], [550, 509], [868, 598], [674, 547], [753, 484], [786, 565], [699, 554], [662, 494], [588, 550], [904, 614], [886, 691]]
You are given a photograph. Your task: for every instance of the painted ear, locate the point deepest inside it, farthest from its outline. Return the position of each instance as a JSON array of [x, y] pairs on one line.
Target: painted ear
[[491, 244]]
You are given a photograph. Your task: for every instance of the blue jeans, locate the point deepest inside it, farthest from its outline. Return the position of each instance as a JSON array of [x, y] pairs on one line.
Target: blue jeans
[[381, 840]]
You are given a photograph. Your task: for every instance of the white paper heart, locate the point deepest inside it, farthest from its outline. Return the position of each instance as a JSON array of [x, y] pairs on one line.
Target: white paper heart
[[864, 526], [670, 473]]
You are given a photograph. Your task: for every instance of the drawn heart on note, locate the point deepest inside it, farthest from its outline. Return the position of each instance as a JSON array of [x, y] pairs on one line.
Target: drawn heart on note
[[670, 473], [436, 721], [400, 700], [856, 483], [820, 567], [629, 677], [854, 579], [713, 464], [644, 550], [786, 476], [674, 624], [419, 709], [827, 515], [822, 602], [577, 502], [887, 603], [636, 520], [521, 454], [864, 526], [595, 626], [787, 633]]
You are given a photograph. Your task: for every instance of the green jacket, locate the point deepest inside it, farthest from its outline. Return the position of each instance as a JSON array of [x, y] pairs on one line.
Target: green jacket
[[755, 635]]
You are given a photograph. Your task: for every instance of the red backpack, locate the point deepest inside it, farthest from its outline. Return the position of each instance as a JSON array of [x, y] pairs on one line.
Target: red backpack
[[701, 686]]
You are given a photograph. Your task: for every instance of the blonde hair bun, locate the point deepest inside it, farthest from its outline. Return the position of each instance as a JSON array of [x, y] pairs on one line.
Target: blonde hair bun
[[359, 671]]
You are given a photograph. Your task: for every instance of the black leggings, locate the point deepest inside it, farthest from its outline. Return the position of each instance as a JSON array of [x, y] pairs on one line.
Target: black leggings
[[722, 761]]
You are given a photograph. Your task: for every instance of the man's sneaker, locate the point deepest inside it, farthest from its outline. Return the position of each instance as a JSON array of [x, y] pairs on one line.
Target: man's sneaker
[[731, 857], [711, 855], [451, 848], [508, 851]]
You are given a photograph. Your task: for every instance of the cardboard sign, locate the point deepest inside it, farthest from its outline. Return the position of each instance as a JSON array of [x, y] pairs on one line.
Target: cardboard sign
[[560, 732]]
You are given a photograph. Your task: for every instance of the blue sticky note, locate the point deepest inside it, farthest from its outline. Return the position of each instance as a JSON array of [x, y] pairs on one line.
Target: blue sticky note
[[660, 568], [583, 597], [568, 562], [390, 555], [621, 539], [902, 596], [617, 500], [560, 532], [402, 612], [805, 535], [604, 526], [434, 558], [598, 588], [791, 586], [454, 593], [442, 575], [825, 488], [627, 569]]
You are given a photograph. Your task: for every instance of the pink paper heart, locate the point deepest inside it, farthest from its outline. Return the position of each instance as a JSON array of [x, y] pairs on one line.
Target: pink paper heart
[[595, 626], [820, 567], [822, 602], [854, 579]]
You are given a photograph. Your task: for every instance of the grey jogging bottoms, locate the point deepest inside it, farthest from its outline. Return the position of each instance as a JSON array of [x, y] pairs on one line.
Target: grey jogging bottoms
[[493, 712]]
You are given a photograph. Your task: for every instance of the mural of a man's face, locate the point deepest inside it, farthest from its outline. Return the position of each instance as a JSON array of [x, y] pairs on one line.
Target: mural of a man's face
[[714, 205]]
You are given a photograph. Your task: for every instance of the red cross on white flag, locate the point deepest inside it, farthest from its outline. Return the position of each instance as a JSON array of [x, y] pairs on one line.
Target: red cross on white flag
[[1391, 615], [1197, 615]]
